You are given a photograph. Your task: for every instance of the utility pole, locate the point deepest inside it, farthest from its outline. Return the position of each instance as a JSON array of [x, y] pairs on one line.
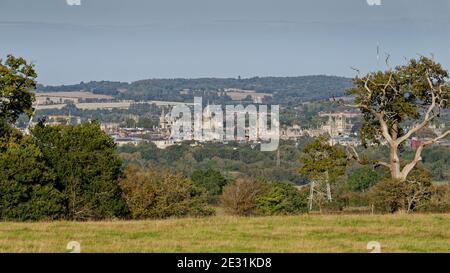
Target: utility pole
[[327, 177]]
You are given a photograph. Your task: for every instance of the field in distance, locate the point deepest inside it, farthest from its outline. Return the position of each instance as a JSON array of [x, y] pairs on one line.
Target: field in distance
[[306, 233]]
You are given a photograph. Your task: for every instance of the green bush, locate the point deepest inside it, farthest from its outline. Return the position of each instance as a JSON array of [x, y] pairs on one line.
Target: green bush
[[162, 194], [282, 198], [212, 181], [362, 179]]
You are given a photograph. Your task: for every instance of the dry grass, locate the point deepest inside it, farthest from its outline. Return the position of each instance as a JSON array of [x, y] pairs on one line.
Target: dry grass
[[307, 233]]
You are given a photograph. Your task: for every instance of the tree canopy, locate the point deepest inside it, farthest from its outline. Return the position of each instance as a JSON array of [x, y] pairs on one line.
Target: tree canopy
[[17, 80], [319, 158], [399, 103]]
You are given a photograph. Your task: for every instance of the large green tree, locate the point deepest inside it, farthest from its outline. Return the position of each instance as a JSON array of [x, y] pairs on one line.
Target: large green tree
[[399, 103], [87, 169]]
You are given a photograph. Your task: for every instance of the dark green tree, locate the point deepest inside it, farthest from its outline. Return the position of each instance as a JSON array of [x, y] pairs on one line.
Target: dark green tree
[[211, 180], [87, 169], [27, 186], [362, 179], [282, 198]]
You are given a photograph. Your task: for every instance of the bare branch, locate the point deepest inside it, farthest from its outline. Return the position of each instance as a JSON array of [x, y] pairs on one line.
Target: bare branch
[[388, 84], [384, 164], [355, 155], [379, 116], [388, 56], [356, 69], [418, 156], [429, 116]]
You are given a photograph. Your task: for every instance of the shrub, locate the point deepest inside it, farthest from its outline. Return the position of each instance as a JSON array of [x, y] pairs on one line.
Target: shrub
[[362, 179], [281, 198], [240, 197], [439, 201], [212, 181], [393, 195], [162, 194], [355, 199]]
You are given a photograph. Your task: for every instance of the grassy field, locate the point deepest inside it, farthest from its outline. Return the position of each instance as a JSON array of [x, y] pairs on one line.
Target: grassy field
[[307, 233]]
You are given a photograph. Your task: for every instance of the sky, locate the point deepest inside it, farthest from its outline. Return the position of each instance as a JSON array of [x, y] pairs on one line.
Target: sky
[[130, 40]]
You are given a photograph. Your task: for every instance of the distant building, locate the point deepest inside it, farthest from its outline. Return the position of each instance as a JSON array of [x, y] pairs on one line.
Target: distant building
[[62, 120], [293, 132], [163, 144], [121, 141], [415, 143], [339, 124], [109, 127]]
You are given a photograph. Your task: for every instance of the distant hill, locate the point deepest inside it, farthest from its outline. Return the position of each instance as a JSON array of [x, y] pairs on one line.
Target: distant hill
[[284, 89]]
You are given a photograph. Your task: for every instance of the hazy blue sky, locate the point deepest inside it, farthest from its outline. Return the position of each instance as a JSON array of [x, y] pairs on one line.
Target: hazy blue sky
[[136, 39]]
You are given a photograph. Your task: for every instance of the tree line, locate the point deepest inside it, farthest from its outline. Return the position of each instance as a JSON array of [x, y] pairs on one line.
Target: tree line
[[285, 90]]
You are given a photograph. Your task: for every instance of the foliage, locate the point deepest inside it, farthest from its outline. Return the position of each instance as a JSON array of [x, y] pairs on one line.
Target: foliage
[[437, 159], [362, 178], [400, 95], [240, 197], [27, 186], [400, 103], [211, 180], [237, 159], [354, 199], [319, 157], [391, 195], [439, 201], [17, 79], [281, 198], [87, 169], [162, 194], [284, 89]]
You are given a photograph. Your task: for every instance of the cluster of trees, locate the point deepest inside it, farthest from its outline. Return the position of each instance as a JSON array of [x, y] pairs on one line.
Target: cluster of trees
[[97, 87], [239, 160], [74, 172], [148, 115], [285, 89], [60, 172]]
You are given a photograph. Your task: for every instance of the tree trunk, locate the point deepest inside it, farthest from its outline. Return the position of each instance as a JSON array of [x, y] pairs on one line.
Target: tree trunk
[[396, 172], [329, 193]]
